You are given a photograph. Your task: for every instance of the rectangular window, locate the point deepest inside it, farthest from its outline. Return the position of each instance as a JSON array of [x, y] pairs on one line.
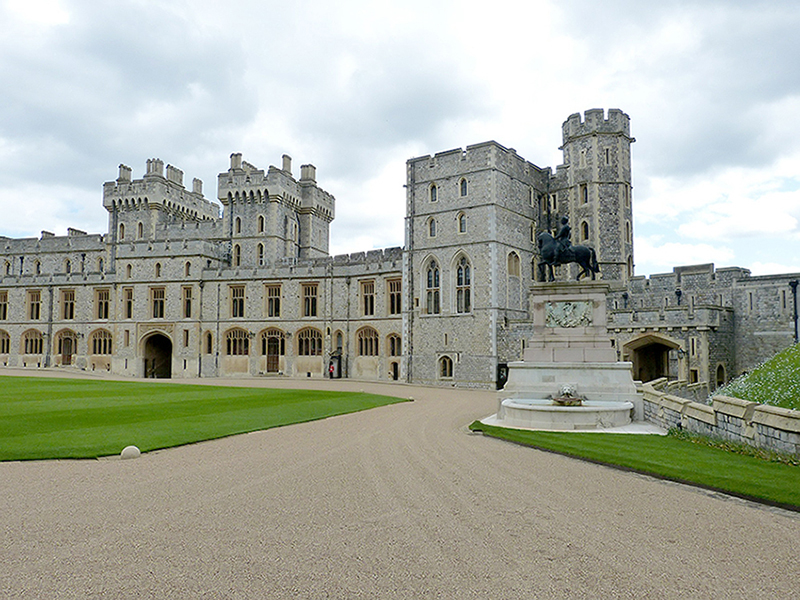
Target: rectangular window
[[127, 338], [157, 299], [237, 301], [584, 194], [128, 303], [309, 299], [34, 305], [187, 303], [368, 298], [68, 304], [273, 301], [395, 293], [3, 306], [102, 299], [185, 338]]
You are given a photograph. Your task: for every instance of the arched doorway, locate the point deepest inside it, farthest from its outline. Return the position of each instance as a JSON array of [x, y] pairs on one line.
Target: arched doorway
[[650, 355], [66, 351], [158, 357], [720, 376]]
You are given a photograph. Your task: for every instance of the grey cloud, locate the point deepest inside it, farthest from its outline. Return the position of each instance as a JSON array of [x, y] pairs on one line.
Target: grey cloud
[[703, 107], [82, 88]]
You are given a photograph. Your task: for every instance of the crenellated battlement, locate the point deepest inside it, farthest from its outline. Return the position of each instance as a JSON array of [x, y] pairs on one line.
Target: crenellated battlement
[[155, 190], [594, 121], [474, 158], [243, 182]]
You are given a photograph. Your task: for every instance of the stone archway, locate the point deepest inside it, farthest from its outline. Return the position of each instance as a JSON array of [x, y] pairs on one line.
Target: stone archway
[[650, 357], [158, 357]]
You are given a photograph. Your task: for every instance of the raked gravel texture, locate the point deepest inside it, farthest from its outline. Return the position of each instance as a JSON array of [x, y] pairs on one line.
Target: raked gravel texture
[[396, 502]]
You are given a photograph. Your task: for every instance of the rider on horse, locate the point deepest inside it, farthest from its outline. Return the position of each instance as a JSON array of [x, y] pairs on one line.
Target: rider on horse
[[562, 239]]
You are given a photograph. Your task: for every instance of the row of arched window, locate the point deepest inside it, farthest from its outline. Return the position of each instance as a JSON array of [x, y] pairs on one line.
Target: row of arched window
[[139, 231], [433, 190], [462, 272], [64, 342], [36, 268], [309, 342], [157, 270], [461, 225]]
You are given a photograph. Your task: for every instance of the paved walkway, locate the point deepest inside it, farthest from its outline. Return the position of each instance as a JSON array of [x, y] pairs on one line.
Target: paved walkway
[[397, 502]]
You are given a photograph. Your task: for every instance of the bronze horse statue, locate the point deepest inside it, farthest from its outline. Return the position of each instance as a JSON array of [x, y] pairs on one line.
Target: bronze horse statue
[[549, 256]]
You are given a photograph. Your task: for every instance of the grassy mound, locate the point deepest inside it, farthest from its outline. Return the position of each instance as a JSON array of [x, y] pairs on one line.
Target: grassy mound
[[775, 382], [44, 418]]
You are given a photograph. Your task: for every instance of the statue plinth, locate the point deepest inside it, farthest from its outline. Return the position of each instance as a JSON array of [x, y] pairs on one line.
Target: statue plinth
[[569, 324], [570, 346]]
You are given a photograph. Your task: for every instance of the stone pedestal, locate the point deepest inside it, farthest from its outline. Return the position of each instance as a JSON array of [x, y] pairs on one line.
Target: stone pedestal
[[570, 346]]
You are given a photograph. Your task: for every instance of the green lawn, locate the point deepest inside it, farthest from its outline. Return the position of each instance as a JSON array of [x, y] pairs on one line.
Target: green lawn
[[42, 418], [670, 458]]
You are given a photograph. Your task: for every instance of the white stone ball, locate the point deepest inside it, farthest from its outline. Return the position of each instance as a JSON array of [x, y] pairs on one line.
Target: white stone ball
[[130, 452]]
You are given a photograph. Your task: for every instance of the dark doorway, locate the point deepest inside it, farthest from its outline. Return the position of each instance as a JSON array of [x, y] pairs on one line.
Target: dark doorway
[[652, 362], [650, 355], [66, 350], [273, 354], [395, 371], [158, 357]]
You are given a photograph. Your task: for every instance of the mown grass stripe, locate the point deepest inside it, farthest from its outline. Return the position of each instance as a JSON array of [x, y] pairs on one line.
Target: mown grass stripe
[[44, 418]]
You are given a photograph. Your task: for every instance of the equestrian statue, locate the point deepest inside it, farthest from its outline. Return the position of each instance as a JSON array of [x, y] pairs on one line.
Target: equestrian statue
[[559, 250]]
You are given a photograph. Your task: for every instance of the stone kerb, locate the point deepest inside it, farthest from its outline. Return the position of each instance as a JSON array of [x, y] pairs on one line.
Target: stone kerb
[[777, 418], [734, 407]]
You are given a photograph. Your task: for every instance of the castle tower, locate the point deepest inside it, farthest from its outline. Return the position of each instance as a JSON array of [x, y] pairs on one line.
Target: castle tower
[[593, 188], [470, 224], [270, 215]]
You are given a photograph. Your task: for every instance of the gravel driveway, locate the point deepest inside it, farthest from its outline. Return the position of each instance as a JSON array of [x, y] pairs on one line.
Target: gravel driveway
[[397, 502]]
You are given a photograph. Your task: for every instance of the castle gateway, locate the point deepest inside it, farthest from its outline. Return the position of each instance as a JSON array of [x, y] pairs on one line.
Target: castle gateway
[[177, 288]]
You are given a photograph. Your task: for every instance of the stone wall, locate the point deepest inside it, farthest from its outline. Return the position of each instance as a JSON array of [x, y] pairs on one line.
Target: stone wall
[[759, 425]]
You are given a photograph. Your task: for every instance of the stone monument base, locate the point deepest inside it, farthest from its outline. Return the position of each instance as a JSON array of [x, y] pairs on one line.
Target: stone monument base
[[592, 381], [569, 356]]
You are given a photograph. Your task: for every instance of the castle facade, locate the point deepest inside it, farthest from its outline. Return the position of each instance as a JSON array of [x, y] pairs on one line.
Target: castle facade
[[177, 288]]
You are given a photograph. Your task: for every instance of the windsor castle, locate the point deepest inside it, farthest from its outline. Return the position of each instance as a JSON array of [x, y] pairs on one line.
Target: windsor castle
[[177, 288]]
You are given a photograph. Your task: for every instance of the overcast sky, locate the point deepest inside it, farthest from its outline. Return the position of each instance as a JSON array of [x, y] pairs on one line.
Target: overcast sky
[[358, 87]]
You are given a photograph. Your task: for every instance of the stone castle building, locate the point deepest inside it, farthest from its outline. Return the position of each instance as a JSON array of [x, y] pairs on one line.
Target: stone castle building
[[176, 288]]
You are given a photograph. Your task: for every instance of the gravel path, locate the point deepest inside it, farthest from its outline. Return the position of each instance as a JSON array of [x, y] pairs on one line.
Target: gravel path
[[397, 502]]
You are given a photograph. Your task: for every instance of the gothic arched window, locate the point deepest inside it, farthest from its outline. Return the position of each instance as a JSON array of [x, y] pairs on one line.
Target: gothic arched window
[[367, 342], [446, 367], [463, 286], [432, 289]]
